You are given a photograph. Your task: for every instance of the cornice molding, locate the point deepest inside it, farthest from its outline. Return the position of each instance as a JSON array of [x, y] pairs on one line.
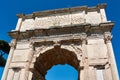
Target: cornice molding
[[62, 10], [68, 29]]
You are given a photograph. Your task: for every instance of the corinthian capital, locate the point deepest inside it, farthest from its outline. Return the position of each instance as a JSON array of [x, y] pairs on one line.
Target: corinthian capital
[[84, 38], [13, 43], [31, 46], [107, 36]]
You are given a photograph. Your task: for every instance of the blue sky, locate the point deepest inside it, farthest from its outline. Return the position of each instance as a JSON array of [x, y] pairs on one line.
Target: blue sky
[[9, 9]]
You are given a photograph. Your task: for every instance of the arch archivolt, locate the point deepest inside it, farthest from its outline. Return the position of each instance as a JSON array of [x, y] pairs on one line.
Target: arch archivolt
[[77, 49], [47, 56], [74, 48], [42, 49], [50, 53]]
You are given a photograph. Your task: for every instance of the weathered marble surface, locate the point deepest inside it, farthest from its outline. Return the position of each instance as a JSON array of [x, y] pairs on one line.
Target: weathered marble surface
[[79, 36]]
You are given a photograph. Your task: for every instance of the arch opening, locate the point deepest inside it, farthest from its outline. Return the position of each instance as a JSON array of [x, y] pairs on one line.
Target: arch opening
[[52, 57], [62, 72]]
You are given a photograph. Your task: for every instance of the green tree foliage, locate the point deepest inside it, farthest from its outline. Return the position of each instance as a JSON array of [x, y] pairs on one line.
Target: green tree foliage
[[2, 61], [4, 49]]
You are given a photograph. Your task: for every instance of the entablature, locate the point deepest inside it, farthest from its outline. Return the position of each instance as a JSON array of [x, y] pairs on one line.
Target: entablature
[[51, 40], [59, 30]]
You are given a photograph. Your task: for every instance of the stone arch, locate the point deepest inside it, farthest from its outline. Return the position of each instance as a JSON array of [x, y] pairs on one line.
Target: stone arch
[[53, 57]]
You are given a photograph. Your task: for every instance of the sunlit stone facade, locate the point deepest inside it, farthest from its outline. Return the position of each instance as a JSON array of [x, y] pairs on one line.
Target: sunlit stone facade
[[78, 36]]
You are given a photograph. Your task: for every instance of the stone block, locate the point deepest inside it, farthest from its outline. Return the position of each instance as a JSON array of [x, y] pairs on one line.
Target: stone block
[[18, 65], [93, 17], [96, 49], [103, 15], [27, 24], [22, 46], [94, 62], [21, 55]]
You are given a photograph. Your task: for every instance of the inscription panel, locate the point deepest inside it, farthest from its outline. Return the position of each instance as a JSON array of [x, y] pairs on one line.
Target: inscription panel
[[59, 20], [62, 19], [54, 20]]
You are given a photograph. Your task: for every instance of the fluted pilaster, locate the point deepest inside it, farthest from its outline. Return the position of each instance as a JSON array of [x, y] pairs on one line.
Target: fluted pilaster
[[111, 57]]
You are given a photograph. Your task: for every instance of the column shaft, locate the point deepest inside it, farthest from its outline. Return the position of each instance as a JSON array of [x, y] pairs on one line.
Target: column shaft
[[5, 73], [112, 60], [25, 71], [84, 57], [111, 57]]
